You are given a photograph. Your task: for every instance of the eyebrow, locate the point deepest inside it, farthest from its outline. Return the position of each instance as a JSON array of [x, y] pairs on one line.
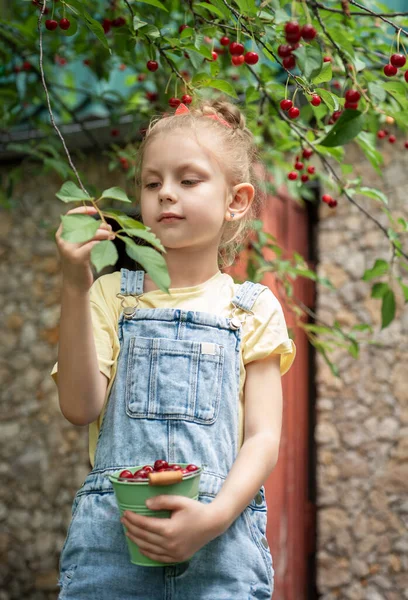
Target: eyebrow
[[181, 167]]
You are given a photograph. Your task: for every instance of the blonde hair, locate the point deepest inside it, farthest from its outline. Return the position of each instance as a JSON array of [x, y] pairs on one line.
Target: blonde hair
[[236, 152]]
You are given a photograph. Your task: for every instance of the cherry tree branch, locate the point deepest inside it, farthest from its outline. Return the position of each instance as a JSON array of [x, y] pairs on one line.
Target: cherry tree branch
[[360, 14], [48, 100], [329, 167], [374, 14]]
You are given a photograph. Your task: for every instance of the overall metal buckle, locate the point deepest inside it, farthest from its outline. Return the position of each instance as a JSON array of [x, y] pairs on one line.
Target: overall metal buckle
[[235, 322], [129, 311]]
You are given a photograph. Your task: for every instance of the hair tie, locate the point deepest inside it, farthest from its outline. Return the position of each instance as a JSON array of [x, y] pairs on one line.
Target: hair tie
[[182, 109]]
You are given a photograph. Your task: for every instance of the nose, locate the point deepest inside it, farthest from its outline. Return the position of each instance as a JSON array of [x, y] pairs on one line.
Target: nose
[[166, 193]]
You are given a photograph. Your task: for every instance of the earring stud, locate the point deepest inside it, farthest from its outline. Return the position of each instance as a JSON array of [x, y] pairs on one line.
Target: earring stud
[[232, 214]]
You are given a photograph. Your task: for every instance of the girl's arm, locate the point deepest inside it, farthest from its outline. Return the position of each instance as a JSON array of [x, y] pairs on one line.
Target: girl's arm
[[259, 452], [81, 385]]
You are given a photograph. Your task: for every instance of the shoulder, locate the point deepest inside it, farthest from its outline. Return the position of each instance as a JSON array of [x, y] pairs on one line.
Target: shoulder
[[104, 289]]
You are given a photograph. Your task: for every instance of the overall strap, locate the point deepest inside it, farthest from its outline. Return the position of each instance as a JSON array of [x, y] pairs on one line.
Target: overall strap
[[246, 295], [131, 283]]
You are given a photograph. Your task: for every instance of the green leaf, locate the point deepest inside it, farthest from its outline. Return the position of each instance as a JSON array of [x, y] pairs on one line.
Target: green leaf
[[151, 261], [387, 308], [309, 60], [346, 128], [377, 91], [373, 193], [70, 192], [104, 254], [78, 228], [379, 289], [223, 86], [211, 8], [155, 3], [247, 7], [200, 79], [329, 99], [366, 143], [93, 25], [404, 289], [324, 75], [380, 268], [116, 193]]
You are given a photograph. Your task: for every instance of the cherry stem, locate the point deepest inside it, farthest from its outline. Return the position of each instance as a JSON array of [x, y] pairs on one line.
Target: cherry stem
[[398, 39], [286, 87], [307, 12], [168, 83]]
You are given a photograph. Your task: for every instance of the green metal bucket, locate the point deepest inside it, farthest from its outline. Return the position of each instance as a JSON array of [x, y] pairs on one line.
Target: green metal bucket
[[132, 495]]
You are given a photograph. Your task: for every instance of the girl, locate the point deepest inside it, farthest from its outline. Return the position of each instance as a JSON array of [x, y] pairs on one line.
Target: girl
[[194, 376]]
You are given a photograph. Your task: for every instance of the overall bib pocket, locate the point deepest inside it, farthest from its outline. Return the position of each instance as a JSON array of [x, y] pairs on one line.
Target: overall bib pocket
[[174, 379]]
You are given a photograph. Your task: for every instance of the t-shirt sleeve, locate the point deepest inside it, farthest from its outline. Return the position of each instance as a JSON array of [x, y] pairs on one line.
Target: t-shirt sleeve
[[103, 325], [266, 332]]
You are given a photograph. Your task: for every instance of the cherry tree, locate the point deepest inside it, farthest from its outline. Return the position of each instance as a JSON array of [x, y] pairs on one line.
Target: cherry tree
[[311, 77]]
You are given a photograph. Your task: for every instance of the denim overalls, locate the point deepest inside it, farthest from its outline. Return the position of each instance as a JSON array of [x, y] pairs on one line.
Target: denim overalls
[[175, 397]]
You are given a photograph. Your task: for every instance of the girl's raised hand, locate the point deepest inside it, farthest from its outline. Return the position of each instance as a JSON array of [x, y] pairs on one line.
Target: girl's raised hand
[[75, 258]]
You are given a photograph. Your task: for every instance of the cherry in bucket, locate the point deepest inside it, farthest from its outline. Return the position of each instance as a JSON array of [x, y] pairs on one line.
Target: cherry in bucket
[[159, 466]]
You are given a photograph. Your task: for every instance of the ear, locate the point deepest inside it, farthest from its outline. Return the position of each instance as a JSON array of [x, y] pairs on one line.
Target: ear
[[242, 198]]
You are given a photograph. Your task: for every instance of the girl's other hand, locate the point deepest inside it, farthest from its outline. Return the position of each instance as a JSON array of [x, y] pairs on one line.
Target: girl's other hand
[[75, 258]]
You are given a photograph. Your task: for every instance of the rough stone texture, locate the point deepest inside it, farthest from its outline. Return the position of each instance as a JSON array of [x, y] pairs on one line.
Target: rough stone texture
[[43, 457], [361, 424]]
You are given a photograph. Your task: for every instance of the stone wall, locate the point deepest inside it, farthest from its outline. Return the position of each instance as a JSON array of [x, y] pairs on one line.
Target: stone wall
[[362, 420], [43, 457], [362, 417]]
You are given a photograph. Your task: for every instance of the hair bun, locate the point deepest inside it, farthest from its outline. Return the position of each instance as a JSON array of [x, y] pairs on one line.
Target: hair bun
[[227, 111]]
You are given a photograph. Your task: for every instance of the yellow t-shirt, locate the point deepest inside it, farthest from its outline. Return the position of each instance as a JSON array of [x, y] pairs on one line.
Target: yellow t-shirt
[[263, 333]]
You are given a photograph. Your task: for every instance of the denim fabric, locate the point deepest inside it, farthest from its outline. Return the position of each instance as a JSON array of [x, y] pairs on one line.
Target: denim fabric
[[175, 397]]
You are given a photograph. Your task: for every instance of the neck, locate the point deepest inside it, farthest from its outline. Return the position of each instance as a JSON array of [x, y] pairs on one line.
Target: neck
[[186, 270]]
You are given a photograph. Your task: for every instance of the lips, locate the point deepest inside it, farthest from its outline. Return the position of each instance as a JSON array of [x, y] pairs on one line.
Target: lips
[[170, 216]]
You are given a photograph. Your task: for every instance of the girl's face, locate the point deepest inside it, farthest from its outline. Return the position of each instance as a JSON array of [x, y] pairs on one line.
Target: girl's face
[[181, 177]]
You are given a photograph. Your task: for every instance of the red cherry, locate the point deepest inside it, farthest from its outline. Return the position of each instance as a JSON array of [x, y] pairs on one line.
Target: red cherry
[[299, 165], [152, 65], [114, 132], [186, 99], [26, 65], [336, 84], [316, 100], [289, 62], [351, 105], [327, 198], [292, 31], [304, 178], [148, 468], [152, 96], [311, 170], [237, 60], [293, 112], [106, 24], [175, 467], [236, 49], [126, 474], [390, 70], [381, 134], [333, 203], [174, 102], [307, 153], [51, 24], [141, 474], [336, 115], [191, 468], [65, 24], [224, 41], [292, 175], [308, 32], [406, 145], [251, 58], [352, 96], [392, 139], [87, 62], [119, 22], [286, 104], [214, 55], [141, 77], [284, 50], [185, 472], [406, 76], [160, 464], [398, 60], [183, 27], [327, 59]]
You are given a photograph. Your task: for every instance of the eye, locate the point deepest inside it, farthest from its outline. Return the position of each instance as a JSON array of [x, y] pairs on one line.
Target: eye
[[190, 181]]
